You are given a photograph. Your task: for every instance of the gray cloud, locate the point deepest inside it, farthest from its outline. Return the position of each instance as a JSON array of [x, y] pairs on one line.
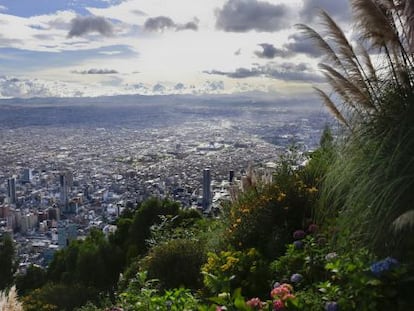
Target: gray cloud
[[211, 86], [161, 23], [13, 87], [158, 88], [82, 25], [284, 71], [268, 51], [179, 86], [8, 41], [302, 45], [338, 9], [94, 71], [139, 13], [188, 26], [246, 15]]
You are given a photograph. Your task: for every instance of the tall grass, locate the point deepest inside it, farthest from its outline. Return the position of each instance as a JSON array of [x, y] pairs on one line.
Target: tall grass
[[9, 302], [370, 185]]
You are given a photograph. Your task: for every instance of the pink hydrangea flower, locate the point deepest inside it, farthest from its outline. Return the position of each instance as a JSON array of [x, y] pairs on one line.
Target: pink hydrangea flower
[[255, 303], [278, 305]]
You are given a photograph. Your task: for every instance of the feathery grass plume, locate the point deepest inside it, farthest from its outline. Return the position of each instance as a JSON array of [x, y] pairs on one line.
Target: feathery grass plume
[[354, 93], [405, 220], [367, 61], [371, 183], [9, 301], [312, 34], [331, 106], [409, 18], [373, 23]]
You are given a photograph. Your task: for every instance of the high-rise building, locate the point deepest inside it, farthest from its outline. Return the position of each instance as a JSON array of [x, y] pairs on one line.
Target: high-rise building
[[206, 189], [11, 190], [231, 176], [64, 190], [26, 176]]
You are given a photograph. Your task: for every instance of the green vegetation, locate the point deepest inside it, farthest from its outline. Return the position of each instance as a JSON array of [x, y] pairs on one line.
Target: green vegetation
[[335, 234], [7, 262]]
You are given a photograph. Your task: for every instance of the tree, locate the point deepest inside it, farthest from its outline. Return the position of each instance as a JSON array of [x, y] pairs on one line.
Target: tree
[[7, 261], [35, 277]]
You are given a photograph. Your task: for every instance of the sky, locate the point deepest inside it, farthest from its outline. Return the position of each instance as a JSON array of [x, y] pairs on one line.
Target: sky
[[76, 48]]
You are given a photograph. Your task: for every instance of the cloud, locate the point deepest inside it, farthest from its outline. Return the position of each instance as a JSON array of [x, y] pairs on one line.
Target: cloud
[[247, 15], [338, 9], [158, 88], [139, 12], [3, 8], [162, 23], [302, 45], [269, 51], [11, 87], [188, 26], [94, 71], [179, 86], [159, 23], [285, 71], [212, 86], [82, 25]]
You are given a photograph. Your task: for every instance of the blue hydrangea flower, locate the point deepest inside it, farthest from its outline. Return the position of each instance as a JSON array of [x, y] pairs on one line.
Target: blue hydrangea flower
[[387, 264], [331, 306], [298, 244], [296, 278]]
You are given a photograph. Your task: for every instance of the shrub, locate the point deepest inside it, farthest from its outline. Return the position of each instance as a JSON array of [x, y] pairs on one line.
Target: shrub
[[264, 217], [176, 263], [229, 270]]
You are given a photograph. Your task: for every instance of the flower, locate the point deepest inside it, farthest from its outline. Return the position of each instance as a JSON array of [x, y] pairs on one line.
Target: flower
[[299, 234], [221, 308], [331, 256], [331, 306], [255, 303], [281, 291], [312, 228], [298, 245], [296, 278], [387, 264], [278, 305]]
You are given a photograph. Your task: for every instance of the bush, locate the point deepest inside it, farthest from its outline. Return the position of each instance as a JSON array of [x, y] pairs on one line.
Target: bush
[[264, 217], [229, 270], [176, 263]]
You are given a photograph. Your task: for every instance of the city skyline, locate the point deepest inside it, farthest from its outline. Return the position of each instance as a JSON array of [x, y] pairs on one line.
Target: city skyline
[[110, 47]]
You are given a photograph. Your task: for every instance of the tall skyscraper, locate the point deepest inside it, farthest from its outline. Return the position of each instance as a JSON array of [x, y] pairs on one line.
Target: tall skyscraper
[[26, 176], [231, 176], [64, 189], [206, 189], [11, 190]]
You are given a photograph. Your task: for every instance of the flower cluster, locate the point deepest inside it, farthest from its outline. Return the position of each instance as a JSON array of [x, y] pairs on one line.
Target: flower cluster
[[331, 306], [296, 278], [280, 295], [299, 234], [387, 264], [255, 304]]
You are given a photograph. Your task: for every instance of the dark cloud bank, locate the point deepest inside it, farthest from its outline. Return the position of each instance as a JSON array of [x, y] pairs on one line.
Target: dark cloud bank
[[247, 15], [82, 25]]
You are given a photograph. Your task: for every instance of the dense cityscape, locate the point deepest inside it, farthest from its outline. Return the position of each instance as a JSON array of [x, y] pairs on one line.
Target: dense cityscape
[[58, 182]]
